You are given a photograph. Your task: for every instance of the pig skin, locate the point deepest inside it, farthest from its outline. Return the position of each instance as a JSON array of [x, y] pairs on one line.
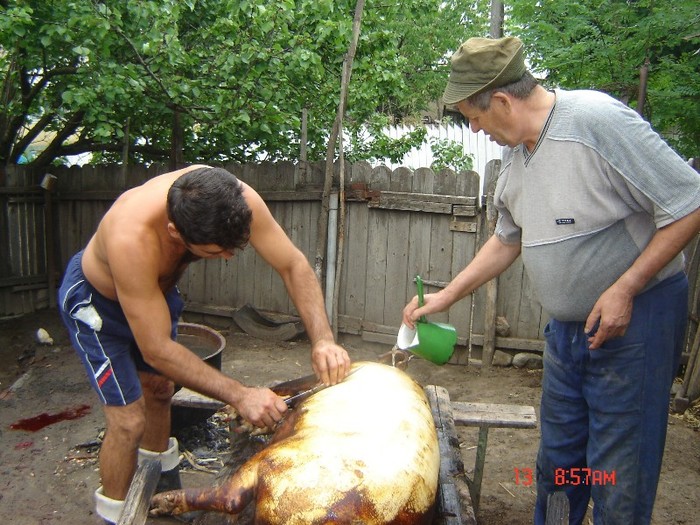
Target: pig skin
[[363, 451]]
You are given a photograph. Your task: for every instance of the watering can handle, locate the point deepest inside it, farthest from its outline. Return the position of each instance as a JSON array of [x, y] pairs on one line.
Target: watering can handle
[[419, 287]]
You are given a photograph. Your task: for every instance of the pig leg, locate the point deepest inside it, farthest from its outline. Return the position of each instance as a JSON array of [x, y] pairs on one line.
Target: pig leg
[[231, 496]]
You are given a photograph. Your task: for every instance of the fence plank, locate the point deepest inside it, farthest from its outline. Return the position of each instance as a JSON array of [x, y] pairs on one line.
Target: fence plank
[[441, 238], [397, 252], [353, 284], [419, 233], [463, 251], [377, 236]]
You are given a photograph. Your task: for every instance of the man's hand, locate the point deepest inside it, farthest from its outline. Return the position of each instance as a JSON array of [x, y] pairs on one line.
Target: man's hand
[[432, 302], [611, 313], [261, 406], [330, 362]]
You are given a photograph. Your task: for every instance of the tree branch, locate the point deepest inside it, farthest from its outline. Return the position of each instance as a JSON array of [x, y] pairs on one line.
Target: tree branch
[[22, 144], [46, 157]]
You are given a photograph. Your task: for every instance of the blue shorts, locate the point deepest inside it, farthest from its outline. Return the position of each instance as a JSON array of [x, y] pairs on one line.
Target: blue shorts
[[101, 336]]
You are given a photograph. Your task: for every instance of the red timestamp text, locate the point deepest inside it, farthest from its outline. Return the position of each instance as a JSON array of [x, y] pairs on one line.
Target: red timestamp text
[[583, 476], [524, 476]]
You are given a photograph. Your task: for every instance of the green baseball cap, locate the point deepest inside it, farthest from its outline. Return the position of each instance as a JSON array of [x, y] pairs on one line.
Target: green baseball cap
[[481, 64]]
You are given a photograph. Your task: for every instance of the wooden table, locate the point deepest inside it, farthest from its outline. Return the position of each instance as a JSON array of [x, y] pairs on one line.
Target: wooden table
[[450, 414]]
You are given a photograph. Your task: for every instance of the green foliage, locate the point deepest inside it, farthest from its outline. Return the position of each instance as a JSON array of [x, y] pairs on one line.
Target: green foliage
[[371, 143], [449, 154], [236, 75], [602, 44]]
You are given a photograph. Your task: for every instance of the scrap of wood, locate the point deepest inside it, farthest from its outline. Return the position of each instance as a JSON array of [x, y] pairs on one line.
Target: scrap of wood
[[506, 489], [80, 457], [494, 415], [454, 500], [141, 490], [193, 462]]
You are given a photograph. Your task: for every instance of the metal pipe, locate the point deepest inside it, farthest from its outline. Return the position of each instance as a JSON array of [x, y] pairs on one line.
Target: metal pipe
[[331, 250]]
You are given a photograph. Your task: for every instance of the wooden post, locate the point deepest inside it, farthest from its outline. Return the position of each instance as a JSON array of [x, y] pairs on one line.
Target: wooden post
[[47, 184], [454, 502], [496, 21], [557, 508], [138, 498], [335, 132], [491, 176], [302, 167]]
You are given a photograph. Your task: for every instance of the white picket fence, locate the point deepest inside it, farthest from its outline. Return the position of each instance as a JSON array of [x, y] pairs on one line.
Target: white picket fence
[[476, 144]]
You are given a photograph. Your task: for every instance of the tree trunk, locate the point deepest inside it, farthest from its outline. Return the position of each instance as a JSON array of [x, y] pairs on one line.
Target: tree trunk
[[330, 150], [125, 148], [643, 76], [496, 28], [176, 157]]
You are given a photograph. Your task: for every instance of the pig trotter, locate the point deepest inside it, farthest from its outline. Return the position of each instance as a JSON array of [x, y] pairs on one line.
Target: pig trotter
[[167, 503]]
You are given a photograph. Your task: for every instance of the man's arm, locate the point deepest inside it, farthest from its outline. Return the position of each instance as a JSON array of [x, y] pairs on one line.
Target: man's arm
[[330, 361], [613, 310], [492, 260], [148, 315]]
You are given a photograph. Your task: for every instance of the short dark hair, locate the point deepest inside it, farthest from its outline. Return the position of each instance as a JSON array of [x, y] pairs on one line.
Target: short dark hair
[[519, 89], [207, 206]]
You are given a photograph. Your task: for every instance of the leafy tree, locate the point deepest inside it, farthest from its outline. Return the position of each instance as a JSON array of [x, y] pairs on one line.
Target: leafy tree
[[604, 44], [210, 80], [449, 154]]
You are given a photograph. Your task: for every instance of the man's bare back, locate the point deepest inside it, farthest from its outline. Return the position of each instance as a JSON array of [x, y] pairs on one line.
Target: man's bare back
[[137, 223]]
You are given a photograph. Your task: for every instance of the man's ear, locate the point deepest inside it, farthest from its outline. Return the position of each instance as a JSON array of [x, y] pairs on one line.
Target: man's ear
[[173, 231], [502, 100]]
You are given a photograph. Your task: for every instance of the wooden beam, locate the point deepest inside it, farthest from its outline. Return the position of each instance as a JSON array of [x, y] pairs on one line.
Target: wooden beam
[[454, 500], [512, 343], [141, 490], [494, 415]]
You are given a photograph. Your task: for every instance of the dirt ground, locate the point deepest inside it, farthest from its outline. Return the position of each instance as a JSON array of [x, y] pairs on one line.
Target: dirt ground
[[48, 476]]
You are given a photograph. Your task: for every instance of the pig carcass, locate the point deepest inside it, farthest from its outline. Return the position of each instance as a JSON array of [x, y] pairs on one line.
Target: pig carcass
[[362, 451]]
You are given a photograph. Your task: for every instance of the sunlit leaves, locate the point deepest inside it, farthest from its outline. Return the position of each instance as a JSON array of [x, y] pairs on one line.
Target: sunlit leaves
[[238, 73], [602, 44]]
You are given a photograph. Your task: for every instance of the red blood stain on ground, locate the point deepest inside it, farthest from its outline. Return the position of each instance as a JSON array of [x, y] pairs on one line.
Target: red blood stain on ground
[[35, 423]]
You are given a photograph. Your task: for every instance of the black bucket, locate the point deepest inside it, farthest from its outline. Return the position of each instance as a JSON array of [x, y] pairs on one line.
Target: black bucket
[[208, 344]]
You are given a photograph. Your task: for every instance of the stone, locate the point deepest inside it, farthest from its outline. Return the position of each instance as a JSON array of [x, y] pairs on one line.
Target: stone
[[527, 360]]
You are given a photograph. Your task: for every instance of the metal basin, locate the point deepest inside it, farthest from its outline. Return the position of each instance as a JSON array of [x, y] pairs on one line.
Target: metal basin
[[208, 344]]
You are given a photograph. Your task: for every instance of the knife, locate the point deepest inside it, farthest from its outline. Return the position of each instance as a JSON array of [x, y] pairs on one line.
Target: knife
[[295, 400]]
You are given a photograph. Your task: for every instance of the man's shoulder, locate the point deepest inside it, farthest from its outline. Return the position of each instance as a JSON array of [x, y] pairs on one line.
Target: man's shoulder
[[583, 103], [584, 115]]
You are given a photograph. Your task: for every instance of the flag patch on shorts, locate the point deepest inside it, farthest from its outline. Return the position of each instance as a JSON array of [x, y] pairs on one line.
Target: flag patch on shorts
[[104, 377]]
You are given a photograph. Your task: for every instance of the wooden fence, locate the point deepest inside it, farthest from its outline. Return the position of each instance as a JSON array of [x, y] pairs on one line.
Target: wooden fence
[[400, 223]]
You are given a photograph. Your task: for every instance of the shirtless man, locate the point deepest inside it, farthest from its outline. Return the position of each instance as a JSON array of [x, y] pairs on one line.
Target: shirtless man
[[121, 305]]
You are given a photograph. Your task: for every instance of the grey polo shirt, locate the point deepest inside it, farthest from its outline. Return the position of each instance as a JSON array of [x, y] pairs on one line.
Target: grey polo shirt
[[588, 199]]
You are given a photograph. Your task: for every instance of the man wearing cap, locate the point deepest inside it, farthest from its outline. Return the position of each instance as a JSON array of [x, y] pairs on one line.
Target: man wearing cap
[[599, 208]]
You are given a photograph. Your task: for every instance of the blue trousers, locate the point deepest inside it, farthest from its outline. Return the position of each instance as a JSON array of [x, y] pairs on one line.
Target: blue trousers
[[604, 412]]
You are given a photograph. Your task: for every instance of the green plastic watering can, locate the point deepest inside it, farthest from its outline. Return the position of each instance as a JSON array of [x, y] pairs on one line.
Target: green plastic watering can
[[432, 341]]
